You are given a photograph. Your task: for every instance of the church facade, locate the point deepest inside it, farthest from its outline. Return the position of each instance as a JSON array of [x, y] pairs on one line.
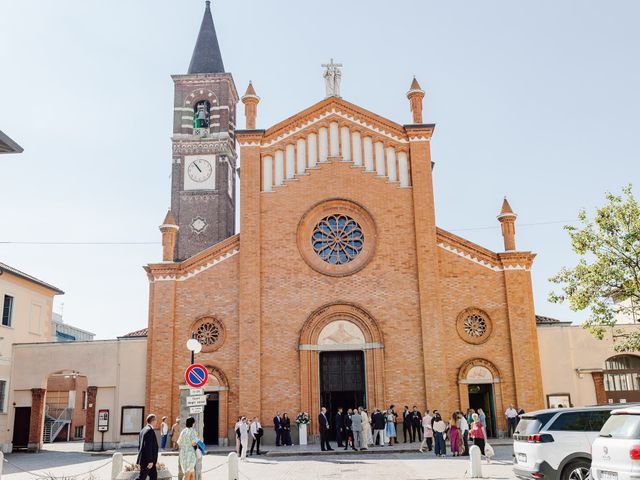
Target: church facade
[[339, 289]]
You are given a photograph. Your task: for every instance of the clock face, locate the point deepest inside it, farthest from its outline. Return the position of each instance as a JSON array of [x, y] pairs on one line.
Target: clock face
[[199, 170]]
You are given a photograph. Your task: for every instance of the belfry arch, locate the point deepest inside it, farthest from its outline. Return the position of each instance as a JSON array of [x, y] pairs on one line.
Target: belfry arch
[[340, 327]]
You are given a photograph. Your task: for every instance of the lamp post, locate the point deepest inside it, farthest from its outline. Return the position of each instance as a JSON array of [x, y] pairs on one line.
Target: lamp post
[[194, 346]]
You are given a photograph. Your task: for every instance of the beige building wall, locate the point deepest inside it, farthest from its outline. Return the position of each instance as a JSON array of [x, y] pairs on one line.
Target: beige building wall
[[116, 367], [569, 358], [30, 322]]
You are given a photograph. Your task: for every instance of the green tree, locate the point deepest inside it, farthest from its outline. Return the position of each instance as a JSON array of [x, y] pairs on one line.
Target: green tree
[[606, 279]]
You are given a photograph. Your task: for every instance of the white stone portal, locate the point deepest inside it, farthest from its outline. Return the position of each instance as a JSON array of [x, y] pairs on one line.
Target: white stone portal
[[479, 374], [341, 332]]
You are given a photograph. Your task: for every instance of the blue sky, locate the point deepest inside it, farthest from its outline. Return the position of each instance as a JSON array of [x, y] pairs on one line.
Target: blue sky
[[534, 100]]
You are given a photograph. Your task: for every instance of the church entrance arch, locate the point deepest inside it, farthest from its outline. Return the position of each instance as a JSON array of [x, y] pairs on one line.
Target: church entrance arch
[[215, 416], [479, 382], [341, 360]]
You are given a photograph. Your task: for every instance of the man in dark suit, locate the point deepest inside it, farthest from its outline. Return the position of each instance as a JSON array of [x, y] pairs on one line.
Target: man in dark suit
[[339, 427], [416, 424], [323, 422], [148, 450], [277, 427], [406, 424]]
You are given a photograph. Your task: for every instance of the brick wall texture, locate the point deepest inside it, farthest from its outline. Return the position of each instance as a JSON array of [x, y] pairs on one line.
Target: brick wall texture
[[411, 292]]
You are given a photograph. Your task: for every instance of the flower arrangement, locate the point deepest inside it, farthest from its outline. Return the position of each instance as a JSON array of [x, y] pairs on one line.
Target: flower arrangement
[[136, 468], [303, 418]]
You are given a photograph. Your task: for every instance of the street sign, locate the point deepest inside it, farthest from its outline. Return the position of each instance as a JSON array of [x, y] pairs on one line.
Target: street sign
[[196, 375], [200, 400], [193, 410], [103, 420], [193, 392]]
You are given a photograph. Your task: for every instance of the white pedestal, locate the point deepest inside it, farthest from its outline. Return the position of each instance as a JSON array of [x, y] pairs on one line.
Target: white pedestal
[[302, 433]]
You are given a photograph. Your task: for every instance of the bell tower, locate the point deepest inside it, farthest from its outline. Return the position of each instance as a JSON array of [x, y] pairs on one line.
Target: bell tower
[[204, 147]]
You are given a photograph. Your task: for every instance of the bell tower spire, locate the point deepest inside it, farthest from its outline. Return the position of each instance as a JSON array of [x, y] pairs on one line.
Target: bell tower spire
[[206, 56], [204, 148]]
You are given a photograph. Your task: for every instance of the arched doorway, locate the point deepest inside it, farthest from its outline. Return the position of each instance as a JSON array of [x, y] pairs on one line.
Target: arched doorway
[[479, 384], [341, 360], [215, 416], [622, 378]]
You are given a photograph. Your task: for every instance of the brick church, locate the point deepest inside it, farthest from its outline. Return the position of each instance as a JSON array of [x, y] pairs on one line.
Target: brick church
[[339, 288]]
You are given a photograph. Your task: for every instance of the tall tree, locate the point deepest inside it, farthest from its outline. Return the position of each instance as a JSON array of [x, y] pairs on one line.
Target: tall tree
[[606, 279]]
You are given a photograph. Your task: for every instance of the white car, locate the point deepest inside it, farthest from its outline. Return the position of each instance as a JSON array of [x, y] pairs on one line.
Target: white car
[[555, 444], [616, 451]]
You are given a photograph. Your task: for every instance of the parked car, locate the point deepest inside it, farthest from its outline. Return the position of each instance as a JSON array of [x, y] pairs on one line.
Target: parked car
[[555, 444], [616, 451]]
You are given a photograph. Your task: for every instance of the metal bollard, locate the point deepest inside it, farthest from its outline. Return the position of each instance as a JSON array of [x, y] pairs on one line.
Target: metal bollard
[[116, 465], [475, 462], [1, 463], [233, 466]]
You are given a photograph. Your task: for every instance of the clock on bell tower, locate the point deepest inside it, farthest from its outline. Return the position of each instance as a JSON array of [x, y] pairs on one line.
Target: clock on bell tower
[[204, 151]]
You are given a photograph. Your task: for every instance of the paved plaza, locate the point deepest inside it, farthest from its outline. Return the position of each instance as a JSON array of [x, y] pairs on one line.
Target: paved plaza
[[67, 462]]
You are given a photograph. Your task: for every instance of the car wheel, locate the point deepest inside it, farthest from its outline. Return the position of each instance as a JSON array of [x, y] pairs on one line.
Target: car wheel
[[576, 470]]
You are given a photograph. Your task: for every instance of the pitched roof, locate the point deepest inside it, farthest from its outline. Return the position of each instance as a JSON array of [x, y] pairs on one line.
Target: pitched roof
[[250, 90], [9, 146], [138, 333], [541, 320], [25, 276], [206, 56]]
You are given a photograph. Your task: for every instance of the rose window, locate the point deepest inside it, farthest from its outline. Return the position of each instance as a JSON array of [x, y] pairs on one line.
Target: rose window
[[208, 333], [337, 239], [475, 326]]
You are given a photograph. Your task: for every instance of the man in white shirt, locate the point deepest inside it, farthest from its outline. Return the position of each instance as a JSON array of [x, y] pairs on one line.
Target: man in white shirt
[[256, 434], [512, 420]]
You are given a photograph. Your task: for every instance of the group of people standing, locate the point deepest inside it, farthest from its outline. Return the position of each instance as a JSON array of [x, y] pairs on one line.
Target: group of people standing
[[186, 441], [246, 430]]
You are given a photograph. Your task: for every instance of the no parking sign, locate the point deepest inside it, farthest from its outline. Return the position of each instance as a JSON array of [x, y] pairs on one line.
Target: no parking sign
[[196, 375]]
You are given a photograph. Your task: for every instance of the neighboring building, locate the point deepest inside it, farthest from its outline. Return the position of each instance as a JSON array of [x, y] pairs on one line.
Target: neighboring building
[[27, 304], [578, 369], [7, 145], [111, 372], [68, 333], [340, 289]]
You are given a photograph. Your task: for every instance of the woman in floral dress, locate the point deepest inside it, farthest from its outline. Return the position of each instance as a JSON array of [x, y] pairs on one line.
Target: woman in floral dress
[[186, 442]]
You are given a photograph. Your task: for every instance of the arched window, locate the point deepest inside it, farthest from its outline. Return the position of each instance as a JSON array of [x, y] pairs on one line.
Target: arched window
[[622, 373], [202, 114]]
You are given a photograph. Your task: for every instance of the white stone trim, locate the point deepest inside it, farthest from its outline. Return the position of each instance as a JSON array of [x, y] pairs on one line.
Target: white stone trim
[[418, 139], [168, 225], [482, 263], [196, 271], [328, 113], [183, 109], [357, 346]]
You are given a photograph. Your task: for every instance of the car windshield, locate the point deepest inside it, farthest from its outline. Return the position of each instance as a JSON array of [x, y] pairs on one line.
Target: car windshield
[[622, 426]]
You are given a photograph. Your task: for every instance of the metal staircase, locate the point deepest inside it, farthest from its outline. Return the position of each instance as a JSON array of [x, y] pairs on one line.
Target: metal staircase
[[55, 420]]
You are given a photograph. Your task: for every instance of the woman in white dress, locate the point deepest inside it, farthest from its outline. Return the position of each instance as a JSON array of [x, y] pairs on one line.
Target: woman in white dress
[[367, 438], [244, 437]]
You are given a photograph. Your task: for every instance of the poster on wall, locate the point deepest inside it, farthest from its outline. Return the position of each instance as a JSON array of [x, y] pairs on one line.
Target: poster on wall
[[103, 420], [132, 420], [560, 400]]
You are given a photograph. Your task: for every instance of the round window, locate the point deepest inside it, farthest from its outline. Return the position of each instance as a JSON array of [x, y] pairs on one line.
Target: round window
[[474, 326], [336, 237], [209, 332]]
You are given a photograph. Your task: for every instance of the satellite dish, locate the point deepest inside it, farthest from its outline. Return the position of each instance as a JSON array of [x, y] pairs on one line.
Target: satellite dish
[[194, 345]]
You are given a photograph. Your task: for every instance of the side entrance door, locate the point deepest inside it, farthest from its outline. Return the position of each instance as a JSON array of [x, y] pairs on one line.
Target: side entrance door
[[21, 423]]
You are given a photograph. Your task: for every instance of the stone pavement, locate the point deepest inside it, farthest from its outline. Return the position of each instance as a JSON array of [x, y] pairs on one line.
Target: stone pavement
[[391, 465]]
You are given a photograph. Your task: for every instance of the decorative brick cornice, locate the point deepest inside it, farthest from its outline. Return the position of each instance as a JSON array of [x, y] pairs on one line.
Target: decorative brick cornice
[[249, 138], [337, 108], [482, 256], [182, 147], [420, 132], [181, 271]]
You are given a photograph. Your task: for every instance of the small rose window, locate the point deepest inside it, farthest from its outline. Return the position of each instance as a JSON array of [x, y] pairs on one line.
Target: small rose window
[[209, 332], [475, 326], [337, 239]]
